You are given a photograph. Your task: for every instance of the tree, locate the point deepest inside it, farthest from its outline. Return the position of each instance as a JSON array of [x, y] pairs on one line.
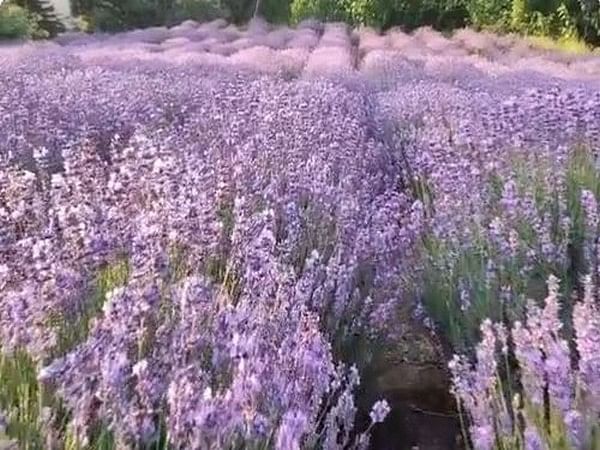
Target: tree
[[45, 15]]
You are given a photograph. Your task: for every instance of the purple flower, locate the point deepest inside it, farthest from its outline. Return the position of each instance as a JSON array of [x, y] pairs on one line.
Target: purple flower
[[532, 439], [590, 209], [483, 437], [291, 430], [264, 196], [379, 411], [576, 428], [586, 321]]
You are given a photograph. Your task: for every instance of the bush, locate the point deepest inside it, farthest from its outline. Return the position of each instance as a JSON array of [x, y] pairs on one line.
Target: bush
[[14, 22], [199, 10], [383, 13], [43, 20], [329, 10], [117, 15], [275, 11], [554, 404], [551, 18], [442, 14], [490, 13], [113, 15]]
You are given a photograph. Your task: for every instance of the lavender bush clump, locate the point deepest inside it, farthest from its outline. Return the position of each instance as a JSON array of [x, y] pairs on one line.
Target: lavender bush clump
[[556, 401], [239, 254], [238, 324]]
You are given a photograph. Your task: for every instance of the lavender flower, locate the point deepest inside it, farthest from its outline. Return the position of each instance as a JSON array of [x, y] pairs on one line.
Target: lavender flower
[[379, 411], [590, 209], [533, 440], [586, 321], [576, 428], [290, 432]]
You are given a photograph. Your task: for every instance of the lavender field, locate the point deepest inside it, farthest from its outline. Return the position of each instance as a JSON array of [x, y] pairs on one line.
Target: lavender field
[[319, 237]]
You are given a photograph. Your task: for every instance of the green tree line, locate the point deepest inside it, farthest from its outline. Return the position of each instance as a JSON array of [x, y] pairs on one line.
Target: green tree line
[[552, 18], [28, 18]]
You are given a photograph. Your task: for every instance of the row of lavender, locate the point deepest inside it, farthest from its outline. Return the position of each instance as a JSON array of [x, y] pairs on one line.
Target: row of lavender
[[188, 253], [241, 222], [315, 48], [508, 178]]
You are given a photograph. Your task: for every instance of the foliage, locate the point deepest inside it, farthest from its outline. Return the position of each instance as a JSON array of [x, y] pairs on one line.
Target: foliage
[[275, 11], [442, 14], [113, 15], [494, 13], [129, 14], [382, 13], [14, 22], [109, 15], [568, 45], [327, 10], [558, 19], [19, 22], [523, 391], [463, 283], [198, 10], [42, 16]]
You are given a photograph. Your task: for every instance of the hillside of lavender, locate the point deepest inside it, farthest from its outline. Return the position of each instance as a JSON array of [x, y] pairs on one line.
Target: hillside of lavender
[[260, 237]]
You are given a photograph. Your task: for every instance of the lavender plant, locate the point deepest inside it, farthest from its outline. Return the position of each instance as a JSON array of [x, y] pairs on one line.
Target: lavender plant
[[220, 293], [553, 405]]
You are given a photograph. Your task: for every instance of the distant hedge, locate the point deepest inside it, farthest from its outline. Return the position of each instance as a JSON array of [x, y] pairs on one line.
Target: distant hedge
[[579, 19], [552, 18], [14, 22], [28, 19]]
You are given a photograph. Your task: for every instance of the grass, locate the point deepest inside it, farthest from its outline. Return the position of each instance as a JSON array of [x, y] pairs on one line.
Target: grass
[[465, 265], [571, 45], [457, 274], [73, 331], [27, 406]]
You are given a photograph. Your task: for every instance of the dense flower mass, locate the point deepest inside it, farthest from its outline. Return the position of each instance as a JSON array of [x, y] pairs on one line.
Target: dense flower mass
[[196, 222], [551, 387]]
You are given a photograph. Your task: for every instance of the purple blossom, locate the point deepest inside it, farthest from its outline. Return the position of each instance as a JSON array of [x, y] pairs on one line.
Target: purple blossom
[[483, 437], [586, 321], [532, 439], [291, 430], [576, 428], [590, 209], [379, 411]]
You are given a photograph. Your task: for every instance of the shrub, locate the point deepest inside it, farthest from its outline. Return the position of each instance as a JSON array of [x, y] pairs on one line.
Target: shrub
[[199, 10], [490, 13], [238, 281], [275, 11], [548, 400], [42, 17], [552, 18], [14, 22], [569, 45], [441, 14], [383, 13], [113, 15], [329, 10]]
